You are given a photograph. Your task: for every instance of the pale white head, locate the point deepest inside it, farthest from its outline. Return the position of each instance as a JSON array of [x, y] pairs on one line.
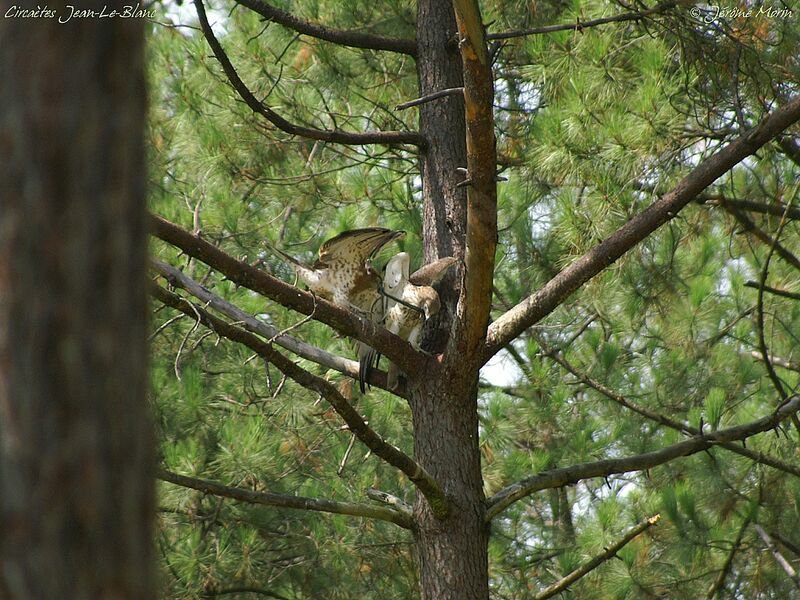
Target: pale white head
[[395, 276]]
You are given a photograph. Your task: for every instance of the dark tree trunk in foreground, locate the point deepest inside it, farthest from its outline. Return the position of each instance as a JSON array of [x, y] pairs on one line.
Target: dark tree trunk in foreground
[[76, 480]]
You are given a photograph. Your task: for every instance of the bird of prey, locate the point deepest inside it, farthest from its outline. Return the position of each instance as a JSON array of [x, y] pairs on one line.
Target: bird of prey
[[344, 275], [411, 301]]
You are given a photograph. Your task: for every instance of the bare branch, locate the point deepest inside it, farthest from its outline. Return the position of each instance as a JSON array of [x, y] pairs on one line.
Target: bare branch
[[734, 447], [603, 468], [354, 39], [394, 348], [474, 303], [540, 304], [791, 148], [391, 454], [434, 96], [336, 136], [593, 563], [762, 236], [778, 209], [772, 290], [785, 564], [581, 25], [302, 349], [289, 501]]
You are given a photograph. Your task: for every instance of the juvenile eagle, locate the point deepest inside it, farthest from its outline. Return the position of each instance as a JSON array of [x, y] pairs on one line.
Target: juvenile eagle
[[344, 275], [411, 301]]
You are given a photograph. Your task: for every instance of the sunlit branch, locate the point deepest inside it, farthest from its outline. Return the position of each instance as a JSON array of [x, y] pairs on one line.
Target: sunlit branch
[[343, 321], [289, 501], [335, 136], [354, 39], [392, 455], [581, 25], [544, 301], [302, 349], [777, 361], [474, 302], [590, 565], [603, 468]]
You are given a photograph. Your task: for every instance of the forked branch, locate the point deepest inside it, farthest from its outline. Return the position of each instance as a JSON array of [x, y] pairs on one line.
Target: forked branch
[[302, 349], [354, 39], [336, 136], [392, 455], [289, 501]]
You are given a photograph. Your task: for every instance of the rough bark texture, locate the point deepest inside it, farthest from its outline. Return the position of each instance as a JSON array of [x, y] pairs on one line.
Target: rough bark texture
[[76, 477], [453, 562], [444, 206]]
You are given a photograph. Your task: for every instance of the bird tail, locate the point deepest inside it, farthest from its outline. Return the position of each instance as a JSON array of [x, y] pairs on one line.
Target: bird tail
[[367, 359]]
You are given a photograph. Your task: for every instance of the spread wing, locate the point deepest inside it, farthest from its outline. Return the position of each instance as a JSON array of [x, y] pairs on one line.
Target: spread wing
[[432, 273], [356, 246]]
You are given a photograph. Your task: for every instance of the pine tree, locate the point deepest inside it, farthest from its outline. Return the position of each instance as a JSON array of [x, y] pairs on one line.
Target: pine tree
[[619, 184]]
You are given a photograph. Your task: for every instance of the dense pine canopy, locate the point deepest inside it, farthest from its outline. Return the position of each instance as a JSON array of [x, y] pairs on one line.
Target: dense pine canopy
[[693, 330]]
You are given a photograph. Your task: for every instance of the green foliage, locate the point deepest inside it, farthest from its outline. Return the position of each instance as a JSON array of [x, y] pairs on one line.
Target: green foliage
[[595, 125]]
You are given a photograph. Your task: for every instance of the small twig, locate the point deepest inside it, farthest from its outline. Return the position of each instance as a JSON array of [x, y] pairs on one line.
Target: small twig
[[342, 464], [779, 558], [183, 342], [590, 565], [434, 96], [390, 499]]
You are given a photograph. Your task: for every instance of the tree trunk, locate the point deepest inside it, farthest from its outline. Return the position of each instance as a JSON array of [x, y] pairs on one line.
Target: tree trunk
[[76, 451], [453, 553]]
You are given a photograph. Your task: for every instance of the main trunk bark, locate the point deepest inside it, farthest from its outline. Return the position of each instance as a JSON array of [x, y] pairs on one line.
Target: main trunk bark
[[76, 481], [453, 556]]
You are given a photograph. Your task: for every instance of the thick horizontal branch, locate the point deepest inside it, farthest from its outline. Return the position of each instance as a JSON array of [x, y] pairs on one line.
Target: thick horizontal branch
[[544, 301], [394, 348], [603, 468], [392, 455], [348, 367], [354, 39], [336, 136], [734, 447], [288, 501], [580, 25], [596, 561]]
